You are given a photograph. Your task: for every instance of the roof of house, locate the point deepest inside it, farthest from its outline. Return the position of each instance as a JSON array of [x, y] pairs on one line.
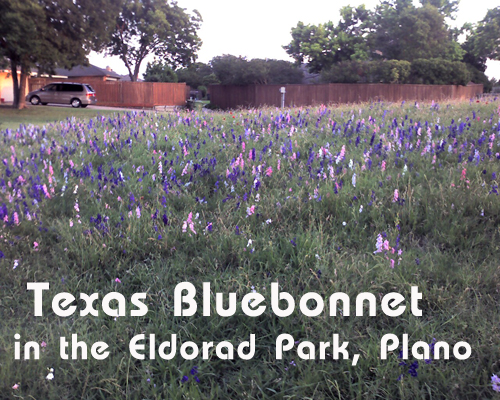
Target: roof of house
[[90, 70]]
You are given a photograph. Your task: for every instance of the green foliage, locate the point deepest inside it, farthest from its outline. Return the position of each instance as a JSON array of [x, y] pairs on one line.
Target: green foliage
[[413, 32], [439, 72], [159, 72], [197, 74], [483, 40], [345, 72], [156, 27], [478, 76], [46, 34], [391, 71], [232, 70], [448, 8], [203, 90], [435, 71], [325, 44], [395, 30], [283, 72]]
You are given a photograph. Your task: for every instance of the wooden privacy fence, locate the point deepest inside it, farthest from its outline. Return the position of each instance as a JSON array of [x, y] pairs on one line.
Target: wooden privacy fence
[[127, 94], [227, 97]]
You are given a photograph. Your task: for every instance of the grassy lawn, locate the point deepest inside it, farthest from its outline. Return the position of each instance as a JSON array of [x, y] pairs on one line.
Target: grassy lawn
[[40, 115], [377, 199]]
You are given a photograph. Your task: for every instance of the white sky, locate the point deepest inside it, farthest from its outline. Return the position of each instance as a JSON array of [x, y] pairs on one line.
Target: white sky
[[259, 28]]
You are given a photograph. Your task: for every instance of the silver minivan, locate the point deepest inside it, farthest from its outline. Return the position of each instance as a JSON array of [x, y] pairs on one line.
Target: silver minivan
[[76, 94]]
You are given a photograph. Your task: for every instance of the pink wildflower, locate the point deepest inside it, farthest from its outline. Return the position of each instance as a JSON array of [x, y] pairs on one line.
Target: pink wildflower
[[269, 171], [383, 166], [386, 245], [189, 223], [396, 196]]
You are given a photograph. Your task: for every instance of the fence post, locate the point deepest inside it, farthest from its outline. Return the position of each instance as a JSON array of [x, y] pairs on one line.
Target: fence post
[[282, 91]]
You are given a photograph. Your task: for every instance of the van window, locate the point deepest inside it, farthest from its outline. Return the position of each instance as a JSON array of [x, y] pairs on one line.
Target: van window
[[67, 87], [89, 88]]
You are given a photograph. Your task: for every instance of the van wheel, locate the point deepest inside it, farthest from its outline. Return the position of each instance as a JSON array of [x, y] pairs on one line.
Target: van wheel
[[75, 103], [35, 100]]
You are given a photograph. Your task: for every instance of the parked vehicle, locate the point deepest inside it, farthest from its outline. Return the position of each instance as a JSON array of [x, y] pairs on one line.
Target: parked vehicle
[[76, 94]]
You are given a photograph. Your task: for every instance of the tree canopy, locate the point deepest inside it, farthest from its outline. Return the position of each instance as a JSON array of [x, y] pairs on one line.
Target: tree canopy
[[232, 70], [159, 72], [46, 34], [483, 39], [395, 30], [197, 74], [156, 27], [325, 44]]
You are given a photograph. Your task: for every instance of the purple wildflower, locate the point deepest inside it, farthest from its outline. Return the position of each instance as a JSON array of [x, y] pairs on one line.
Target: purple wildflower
[[495, 383]]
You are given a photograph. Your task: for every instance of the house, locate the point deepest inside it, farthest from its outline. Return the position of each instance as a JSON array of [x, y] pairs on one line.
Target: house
[[6, 86], [90, 72]]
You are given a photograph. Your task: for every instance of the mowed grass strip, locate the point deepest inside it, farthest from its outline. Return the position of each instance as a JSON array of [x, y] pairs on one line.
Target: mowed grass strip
[[11, 118]]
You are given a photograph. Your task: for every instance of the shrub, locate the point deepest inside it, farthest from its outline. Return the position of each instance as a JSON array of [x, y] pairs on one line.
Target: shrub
[[437, 71]]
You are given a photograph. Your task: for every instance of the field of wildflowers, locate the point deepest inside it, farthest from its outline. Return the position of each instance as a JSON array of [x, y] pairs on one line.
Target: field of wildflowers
[[374, 198]]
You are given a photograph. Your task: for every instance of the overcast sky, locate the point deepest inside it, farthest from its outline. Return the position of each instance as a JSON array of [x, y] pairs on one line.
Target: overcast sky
[[259, 28]]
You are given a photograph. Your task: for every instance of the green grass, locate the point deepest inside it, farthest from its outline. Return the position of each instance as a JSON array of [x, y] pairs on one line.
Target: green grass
[[308, 232], [11, 118]]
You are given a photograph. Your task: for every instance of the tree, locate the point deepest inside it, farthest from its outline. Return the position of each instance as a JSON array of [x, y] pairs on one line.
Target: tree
[[231, 70], [156, 27], [284, 72], [197, 74], [484, 38], [325, 44], [448, 8], [395, 30], [405, 32], [159, 72], [482, 42], [47, 34]]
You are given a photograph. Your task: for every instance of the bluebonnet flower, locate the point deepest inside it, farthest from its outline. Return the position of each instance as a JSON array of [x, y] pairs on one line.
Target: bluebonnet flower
[[495, 383]]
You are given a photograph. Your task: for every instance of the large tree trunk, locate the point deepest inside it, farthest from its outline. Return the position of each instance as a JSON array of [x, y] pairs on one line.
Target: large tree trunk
[[15, 82], [22, 88]]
